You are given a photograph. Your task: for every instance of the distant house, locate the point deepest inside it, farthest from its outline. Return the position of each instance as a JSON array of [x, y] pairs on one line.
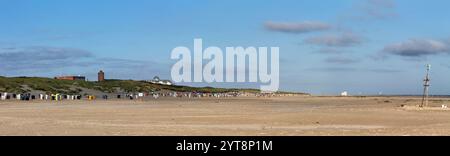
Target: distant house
[[72, 78], [157, 80], [345, 93]]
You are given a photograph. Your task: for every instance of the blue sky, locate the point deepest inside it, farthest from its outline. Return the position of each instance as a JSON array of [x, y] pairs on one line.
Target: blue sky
[[361, 46]]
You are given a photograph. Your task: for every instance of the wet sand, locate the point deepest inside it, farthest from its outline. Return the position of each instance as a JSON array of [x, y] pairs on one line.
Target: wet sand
[[279, 116]]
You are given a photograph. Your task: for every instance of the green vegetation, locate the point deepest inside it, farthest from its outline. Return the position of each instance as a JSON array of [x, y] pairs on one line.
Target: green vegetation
[[48, 85]]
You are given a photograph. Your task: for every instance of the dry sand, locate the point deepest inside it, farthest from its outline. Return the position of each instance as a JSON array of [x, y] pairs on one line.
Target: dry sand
[[284, 116]]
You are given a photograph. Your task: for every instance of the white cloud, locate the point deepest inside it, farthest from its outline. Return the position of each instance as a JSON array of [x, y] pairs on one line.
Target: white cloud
[[333, 40], [341, 60], [300, 27], [418, 48], [373, 10]]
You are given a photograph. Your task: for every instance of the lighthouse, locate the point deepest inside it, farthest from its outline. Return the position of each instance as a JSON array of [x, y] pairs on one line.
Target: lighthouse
[[101, 76]]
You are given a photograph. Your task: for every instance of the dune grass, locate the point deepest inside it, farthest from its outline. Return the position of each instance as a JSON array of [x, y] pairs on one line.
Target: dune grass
[[48, 85]]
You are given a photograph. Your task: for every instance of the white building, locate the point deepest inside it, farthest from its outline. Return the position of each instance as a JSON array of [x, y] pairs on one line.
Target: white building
[[345, 93], [3, 96], [157, 80]]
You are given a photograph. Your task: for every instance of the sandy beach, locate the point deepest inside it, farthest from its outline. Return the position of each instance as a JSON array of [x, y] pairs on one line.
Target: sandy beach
[[244, 116]]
